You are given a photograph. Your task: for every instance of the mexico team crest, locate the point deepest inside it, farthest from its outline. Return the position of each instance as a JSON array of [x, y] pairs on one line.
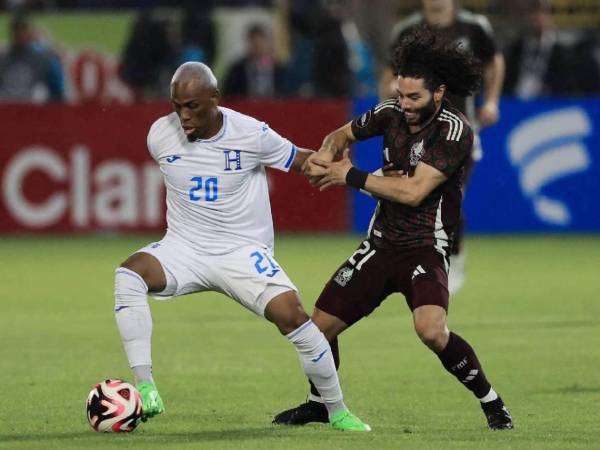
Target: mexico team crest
[[364, 119], [343, 276], [416, 152]]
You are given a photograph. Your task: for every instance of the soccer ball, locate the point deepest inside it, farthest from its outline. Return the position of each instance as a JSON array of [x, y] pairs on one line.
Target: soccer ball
[[114, 406]]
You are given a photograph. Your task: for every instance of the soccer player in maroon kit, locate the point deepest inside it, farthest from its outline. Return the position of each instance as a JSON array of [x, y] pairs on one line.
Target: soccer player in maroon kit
[[474, 32], [426, 145]]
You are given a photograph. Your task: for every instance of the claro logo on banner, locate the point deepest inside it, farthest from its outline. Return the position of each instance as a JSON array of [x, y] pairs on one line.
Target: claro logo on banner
[[42, 188]]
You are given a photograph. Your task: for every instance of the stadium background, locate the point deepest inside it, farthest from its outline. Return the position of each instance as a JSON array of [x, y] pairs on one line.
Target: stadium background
[[78, 187]]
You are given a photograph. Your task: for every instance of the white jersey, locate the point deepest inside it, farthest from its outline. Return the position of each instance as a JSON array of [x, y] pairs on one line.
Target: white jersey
[[217, 192]]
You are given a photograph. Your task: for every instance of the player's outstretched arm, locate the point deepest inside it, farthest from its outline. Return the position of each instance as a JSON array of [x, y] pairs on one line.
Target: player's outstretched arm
[[332, 146], [493, 78], [407, 190], [335, 142], [401, 189], [302, 154]]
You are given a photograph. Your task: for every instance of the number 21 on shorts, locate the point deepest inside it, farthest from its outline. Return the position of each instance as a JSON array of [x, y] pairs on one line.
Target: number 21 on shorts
[[263, 263], [363, 253]]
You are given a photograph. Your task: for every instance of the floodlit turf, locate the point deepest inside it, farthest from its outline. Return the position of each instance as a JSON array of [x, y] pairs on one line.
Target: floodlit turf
[[531, 308]]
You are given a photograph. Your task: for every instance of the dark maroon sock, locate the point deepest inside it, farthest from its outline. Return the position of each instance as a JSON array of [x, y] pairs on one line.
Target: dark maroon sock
[[460, 360], [335, 352]]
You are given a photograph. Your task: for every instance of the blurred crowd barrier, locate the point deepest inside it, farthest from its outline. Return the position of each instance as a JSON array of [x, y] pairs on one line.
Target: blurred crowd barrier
[[91, 171]]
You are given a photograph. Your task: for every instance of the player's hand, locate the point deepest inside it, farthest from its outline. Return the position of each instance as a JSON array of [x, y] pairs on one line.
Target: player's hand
[[488, 114], [152, 404], [312, 170], [333, 173], [308, 166]]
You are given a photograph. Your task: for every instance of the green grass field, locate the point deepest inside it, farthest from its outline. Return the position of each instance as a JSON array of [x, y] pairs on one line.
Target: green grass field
[[531, 308]]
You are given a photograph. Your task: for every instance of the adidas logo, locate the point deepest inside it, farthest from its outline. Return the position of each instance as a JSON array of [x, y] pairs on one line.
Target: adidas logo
[[472, 374], [418, 271]]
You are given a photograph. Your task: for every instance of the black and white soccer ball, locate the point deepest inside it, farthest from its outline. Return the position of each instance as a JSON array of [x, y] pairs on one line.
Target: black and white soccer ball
[[114, 406]]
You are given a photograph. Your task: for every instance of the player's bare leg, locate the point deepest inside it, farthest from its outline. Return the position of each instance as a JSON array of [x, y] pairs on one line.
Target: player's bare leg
[[316, 359], [140, 274], [314, 410], [459, 358]]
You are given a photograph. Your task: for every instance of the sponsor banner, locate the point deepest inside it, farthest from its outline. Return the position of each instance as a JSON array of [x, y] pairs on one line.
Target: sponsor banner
[[86, 168], [540, 170]]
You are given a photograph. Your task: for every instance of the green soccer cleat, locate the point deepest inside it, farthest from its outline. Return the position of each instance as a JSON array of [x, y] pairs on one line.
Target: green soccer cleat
[[346, 421], [152, 404]]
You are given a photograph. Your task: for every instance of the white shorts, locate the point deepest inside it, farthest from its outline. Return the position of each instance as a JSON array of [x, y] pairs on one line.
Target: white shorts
[[250, 275]]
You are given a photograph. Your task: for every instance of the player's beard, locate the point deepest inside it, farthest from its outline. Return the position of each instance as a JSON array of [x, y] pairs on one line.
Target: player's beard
[[424, 114]]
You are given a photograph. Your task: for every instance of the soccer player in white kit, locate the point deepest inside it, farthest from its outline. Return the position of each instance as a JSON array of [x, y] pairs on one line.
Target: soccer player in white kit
[[219, 234]]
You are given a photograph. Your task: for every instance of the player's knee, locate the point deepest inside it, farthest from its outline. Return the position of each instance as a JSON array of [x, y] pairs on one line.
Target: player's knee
[[130, 288], [330, 325], [432, 334], [149, 269], [286, 312], [292, 321]]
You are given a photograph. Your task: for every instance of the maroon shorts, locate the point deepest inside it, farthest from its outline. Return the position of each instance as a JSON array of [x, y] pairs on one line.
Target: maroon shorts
[[371, 274]]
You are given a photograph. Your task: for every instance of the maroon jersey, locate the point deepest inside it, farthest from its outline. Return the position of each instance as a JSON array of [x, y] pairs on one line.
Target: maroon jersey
[[444, 143]]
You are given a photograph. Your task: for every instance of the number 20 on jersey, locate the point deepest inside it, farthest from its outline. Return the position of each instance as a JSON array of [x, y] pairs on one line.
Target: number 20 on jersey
[[206, 189]]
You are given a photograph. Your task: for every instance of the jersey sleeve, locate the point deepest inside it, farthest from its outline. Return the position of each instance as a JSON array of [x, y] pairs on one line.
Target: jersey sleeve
[[151, 141], [449, 148], [374, 121], [275, 151]]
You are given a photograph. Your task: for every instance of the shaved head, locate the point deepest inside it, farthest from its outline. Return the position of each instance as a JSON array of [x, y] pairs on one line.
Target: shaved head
[[195, 71], [195, 98]]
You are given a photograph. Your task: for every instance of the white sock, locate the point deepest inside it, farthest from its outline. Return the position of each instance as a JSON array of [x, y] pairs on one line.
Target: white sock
[[134, 321], [490, 397], [317, 361], [142, 374], [315, 398]]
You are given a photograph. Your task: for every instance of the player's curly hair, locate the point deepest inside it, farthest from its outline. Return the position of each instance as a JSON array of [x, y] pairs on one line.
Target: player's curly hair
[[424, 53]]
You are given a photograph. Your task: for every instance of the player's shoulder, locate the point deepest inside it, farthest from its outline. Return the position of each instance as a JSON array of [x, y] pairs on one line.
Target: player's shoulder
[[244, 131], [406, 24], [163, 132], [383, 111], [453, 125], [164, 125], [475, 20], [391, 106], [241, 123]]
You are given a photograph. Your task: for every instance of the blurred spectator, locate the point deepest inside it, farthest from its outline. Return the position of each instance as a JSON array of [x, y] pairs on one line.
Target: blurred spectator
[[256, 74], [30, 71], [332, 75], [472, 32], [148, 59], [538, 63], [361, 59], [198, 32], [320, 61], [586, 64]]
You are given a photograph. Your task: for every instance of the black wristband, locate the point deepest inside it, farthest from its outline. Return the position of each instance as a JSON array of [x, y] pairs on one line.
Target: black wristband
[[356, 178]]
